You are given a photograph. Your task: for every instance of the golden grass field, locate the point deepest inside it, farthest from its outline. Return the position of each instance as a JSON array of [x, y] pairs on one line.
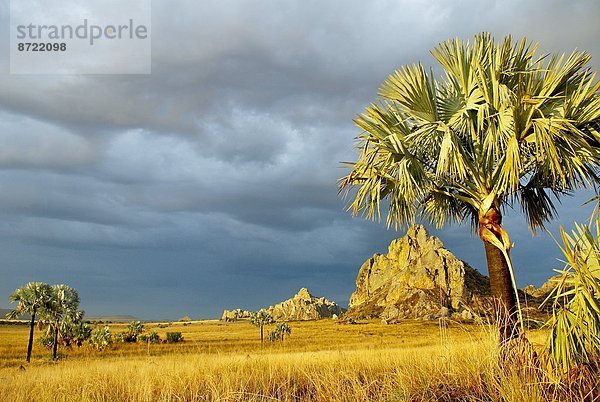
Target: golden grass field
[[320, 361]]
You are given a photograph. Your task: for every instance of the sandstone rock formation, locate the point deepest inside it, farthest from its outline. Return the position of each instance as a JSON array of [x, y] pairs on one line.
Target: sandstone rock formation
[[417, 278], [543, 291], [303, 307], [234, 315], [533, 298]]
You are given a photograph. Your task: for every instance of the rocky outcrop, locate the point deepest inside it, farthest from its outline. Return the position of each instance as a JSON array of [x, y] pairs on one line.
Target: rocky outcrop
[[540, 294], [234, 315], [417, 278], [303, 307], [534, 300]]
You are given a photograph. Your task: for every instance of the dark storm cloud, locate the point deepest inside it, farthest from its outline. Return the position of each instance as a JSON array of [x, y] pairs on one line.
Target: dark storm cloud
[[211, 183]]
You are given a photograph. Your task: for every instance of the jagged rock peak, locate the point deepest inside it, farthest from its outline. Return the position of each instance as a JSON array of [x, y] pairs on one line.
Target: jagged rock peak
[[303, 294], [544, 290], [417, 237], [304, 306], [418, 277]]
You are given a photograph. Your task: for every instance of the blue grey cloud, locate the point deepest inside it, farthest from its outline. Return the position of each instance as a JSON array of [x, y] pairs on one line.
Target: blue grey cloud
[[211, 183]]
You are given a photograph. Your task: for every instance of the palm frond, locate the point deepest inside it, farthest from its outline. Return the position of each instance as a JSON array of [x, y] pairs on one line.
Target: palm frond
[[575, 324], [414, 89], [536, 204]]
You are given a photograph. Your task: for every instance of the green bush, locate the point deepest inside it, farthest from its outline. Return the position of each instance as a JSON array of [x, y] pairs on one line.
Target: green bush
[[101, 337], [119, 337], [46, 340], [70, 334], [152, 337], [76, 334], [134, 330], [174, 337]]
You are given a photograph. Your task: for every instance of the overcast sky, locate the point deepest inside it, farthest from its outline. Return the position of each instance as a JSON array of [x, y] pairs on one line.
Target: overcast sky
[[211, 183]]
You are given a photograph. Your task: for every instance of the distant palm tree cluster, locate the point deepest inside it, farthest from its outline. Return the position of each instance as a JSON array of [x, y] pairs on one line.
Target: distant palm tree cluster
[[57, 308], [281, 330], [263, 318], [260, 319]]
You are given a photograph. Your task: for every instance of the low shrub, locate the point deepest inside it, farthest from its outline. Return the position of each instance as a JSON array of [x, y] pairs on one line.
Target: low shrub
[[46, 340], [101, 337], [134, 330], [174, 337], [152, 337], [76, 334]]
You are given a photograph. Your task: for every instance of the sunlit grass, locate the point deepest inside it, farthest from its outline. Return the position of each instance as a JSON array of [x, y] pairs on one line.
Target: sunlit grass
[[320, 361], [220, 337]]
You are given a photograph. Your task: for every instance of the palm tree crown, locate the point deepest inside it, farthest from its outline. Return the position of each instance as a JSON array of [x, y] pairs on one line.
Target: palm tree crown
[[30, 298], [502, 126]]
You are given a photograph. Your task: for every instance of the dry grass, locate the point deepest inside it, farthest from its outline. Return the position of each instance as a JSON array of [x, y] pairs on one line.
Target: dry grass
[[321, 361]]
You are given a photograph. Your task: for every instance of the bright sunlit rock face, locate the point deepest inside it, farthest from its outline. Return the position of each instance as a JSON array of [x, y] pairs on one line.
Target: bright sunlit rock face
[[418, 277], [303, 306]]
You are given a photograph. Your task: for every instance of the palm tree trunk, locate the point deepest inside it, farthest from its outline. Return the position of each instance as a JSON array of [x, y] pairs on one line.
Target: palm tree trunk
[[55, 344], [503, 292], [30, 343]]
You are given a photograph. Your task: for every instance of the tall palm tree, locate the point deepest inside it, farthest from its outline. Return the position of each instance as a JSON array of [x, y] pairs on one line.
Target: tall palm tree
[[62, 313], [502, 127], [31, 298]]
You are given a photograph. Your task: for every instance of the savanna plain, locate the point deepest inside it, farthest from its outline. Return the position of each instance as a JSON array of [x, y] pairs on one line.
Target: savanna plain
[[324, 360]]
